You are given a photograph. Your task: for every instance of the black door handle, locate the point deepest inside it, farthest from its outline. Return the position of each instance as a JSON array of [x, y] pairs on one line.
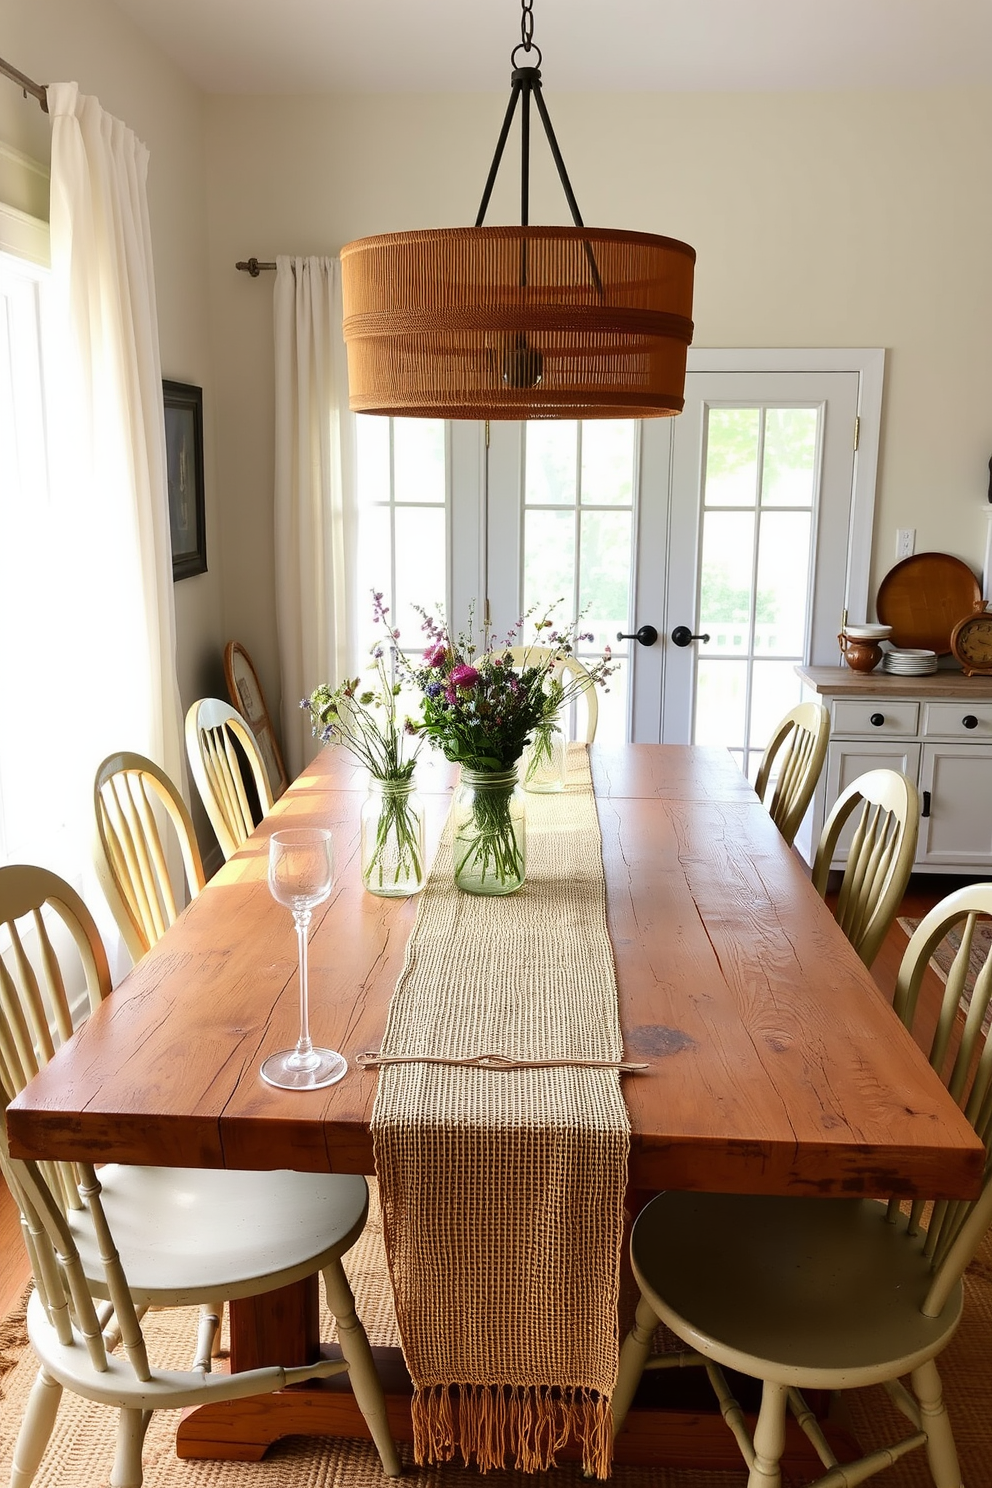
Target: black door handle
[[926, 804], [682, 635], [647, 635]]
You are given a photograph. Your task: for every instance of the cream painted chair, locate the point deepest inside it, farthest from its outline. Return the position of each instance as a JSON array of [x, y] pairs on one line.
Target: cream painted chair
[[791, 766], [186, 1236], [827, 1294], [213, 730], [567, 668], [885, 809], [134, 800]]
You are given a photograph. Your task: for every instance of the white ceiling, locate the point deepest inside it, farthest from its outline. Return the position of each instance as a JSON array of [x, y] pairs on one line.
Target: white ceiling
[[319, 46]]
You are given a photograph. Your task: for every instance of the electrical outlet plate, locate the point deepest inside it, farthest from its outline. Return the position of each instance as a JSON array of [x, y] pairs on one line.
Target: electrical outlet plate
[[905, 542]]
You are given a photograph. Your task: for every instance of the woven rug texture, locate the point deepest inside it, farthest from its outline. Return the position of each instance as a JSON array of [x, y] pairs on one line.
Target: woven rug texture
[[81, 1452], [499, 1187]]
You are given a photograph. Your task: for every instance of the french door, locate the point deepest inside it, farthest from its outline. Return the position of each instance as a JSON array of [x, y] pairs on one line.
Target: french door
[[746, 521]]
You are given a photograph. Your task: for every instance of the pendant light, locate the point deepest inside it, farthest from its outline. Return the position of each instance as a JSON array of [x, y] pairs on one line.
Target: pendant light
[[518, 322]]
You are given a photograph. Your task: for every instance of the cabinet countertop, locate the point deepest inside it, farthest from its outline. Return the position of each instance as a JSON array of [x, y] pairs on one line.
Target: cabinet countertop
[[842, 681]]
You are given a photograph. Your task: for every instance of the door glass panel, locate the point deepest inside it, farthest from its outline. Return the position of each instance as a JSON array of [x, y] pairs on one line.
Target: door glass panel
[[578, 539], [549, 562], [755, 562], [732, 456], [789, 464], [402, 522], [604, 592], [725, 581], [607, 463], [782, 591], [552, 453], [721, 702]]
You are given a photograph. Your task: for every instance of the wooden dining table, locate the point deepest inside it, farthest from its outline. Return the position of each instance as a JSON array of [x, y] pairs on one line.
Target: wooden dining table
[[774, 1063]]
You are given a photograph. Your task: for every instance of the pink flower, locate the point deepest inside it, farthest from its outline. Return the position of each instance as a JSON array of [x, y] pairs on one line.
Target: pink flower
[[435, 655], [463, 676]]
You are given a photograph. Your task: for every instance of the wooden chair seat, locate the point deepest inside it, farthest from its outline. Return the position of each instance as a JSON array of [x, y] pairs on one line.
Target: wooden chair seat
[[829, 1293], [105, 1247]]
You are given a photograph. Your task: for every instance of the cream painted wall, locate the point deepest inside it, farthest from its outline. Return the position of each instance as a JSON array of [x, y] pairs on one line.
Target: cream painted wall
[[859, 219], [91, 42]]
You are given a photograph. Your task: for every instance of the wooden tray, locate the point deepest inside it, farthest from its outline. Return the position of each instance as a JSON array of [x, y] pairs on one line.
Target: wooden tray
[[924, 597]]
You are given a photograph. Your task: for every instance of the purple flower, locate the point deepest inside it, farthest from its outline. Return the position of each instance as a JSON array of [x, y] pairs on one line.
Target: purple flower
[[435, 655], [463, 676], [432, 689]]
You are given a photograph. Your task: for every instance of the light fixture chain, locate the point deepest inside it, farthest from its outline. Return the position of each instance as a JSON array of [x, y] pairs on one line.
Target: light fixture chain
[[527, 24]]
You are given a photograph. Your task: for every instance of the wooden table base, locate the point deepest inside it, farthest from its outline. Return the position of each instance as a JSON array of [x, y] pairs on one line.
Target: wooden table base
[[672, 1423]]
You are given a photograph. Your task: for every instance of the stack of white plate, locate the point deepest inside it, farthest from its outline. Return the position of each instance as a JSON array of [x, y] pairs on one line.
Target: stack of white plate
[[910, 663]]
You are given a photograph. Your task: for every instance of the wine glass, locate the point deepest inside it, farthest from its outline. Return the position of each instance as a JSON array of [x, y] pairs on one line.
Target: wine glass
[[301, 873]]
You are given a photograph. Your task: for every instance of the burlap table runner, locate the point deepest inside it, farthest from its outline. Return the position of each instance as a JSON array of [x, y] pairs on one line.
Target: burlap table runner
[[502, 1190]]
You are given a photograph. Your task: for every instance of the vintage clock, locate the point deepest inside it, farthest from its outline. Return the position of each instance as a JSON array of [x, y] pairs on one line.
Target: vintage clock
[[971, 642]]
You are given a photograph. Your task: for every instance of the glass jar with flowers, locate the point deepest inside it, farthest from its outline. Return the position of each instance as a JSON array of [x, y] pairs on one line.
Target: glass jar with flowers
[[366, 723], [481, 709]]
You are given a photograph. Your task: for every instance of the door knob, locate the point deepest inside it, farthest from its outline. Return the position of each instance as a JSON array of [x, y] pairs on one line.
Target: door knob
[[682, 635], [647, 635]]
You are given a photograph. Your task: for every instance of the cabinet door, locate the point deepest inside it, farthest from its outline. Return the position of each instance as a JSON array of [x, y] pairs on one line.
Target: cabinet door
[[849, 758], [957, 832]]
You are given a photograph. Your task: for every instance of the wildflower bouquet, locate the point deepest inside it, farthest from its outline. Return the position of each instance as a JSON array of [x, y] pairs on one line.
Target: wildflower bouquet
[[480, 710], [366, 722]]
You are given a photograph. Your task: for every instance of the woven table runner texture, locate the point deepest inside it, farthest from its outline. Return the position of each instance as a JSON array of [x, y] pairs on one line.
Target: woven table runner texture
[[503, 1191]]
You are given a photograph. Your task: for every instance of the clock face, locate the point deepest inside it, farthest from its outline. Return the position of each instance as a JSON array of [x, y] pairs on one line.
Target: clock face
[[972, 643]]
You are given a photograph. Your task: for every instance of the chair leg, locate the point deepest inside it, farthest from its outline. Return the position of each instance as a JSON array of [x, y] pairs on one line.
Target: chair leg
[[633, 1356], [208, 1334], [941, 1452], [769, 1437], [131, 1428], [36, 1429], [361, 1370]]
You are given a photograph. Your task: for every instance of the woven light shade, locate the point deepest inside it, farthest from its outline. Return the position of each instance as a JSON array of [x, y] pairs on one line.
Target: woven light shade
[[517, 323]]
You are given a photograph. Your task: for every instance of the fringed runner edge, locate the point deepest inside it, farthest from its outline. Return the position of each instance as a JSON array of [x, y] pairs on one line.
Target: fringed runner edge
[[533, 1422]]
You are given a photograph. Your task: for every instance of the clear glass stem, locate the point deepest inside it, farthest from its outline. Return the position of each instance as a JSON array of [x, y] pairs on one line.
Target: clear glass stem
[[304, 1057]]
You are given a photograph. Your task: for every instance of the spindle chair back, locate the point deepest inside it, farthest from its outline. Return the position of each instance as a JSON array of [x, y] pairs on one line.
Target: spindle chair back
[[214, 730], [791, 765]]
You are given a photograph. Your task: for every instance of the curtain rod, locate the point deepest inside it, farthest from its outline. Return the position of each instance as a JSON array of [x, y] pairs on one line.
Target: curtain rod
[[252, 266], [25, 84]]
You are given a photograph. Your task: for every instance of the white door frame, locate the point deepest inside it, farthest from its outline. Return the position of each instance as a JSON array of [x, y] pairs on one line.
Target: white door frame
[[655, 515]]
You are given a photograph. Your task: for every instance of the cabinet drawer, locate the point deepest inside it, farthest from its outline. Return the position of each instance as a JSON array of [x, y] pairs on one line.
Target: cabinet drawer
[[855, 715], [956, 720]]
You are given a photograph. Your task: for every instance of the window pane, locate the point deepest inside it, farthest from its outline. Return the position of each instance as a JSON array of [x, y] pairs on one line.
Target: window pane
[[418, 459], [551, 454], [790, 456], [604, 580], [783, 584], [775, 689], [721, 692], [374, 570], [725, 583], [549, 563], [420, 569], [608, 462], [372, 441], [731, 457]]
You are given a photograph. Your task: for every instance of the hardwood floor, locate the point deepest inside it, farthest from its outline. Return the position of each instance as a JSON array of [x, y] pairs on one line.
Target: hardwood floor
[[925, 890]]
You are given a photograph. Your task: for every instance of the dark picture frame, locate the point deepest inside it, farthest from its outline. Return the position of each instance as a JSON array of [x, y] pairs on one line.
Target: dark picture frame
[[184, 462]]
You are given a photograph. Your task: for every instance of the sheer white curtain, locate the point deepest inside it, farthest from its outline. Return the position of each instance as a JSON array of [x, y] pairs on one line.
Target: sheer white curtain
[[87, 652], [315, 505]]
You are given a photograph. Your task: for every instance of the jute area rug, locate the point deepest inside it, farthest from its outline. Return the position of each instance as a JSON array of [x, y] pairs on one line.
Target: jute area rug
[[81, 1452]]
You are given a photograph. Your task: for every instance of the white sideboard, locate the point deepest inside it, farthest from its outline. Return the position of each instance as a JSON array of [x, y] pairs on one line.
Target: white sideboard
[[938, 731]]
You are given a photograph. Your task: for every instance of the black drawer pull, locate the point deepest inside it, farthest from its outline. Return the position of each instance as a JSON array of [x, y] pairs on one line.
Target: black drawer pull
[[970, 721], [926, 803], [877, 719]]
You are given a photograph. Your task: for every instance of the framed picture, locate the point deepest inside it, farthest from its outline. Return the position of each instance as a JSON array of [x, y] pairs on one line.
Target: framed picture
[[184, 459]]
